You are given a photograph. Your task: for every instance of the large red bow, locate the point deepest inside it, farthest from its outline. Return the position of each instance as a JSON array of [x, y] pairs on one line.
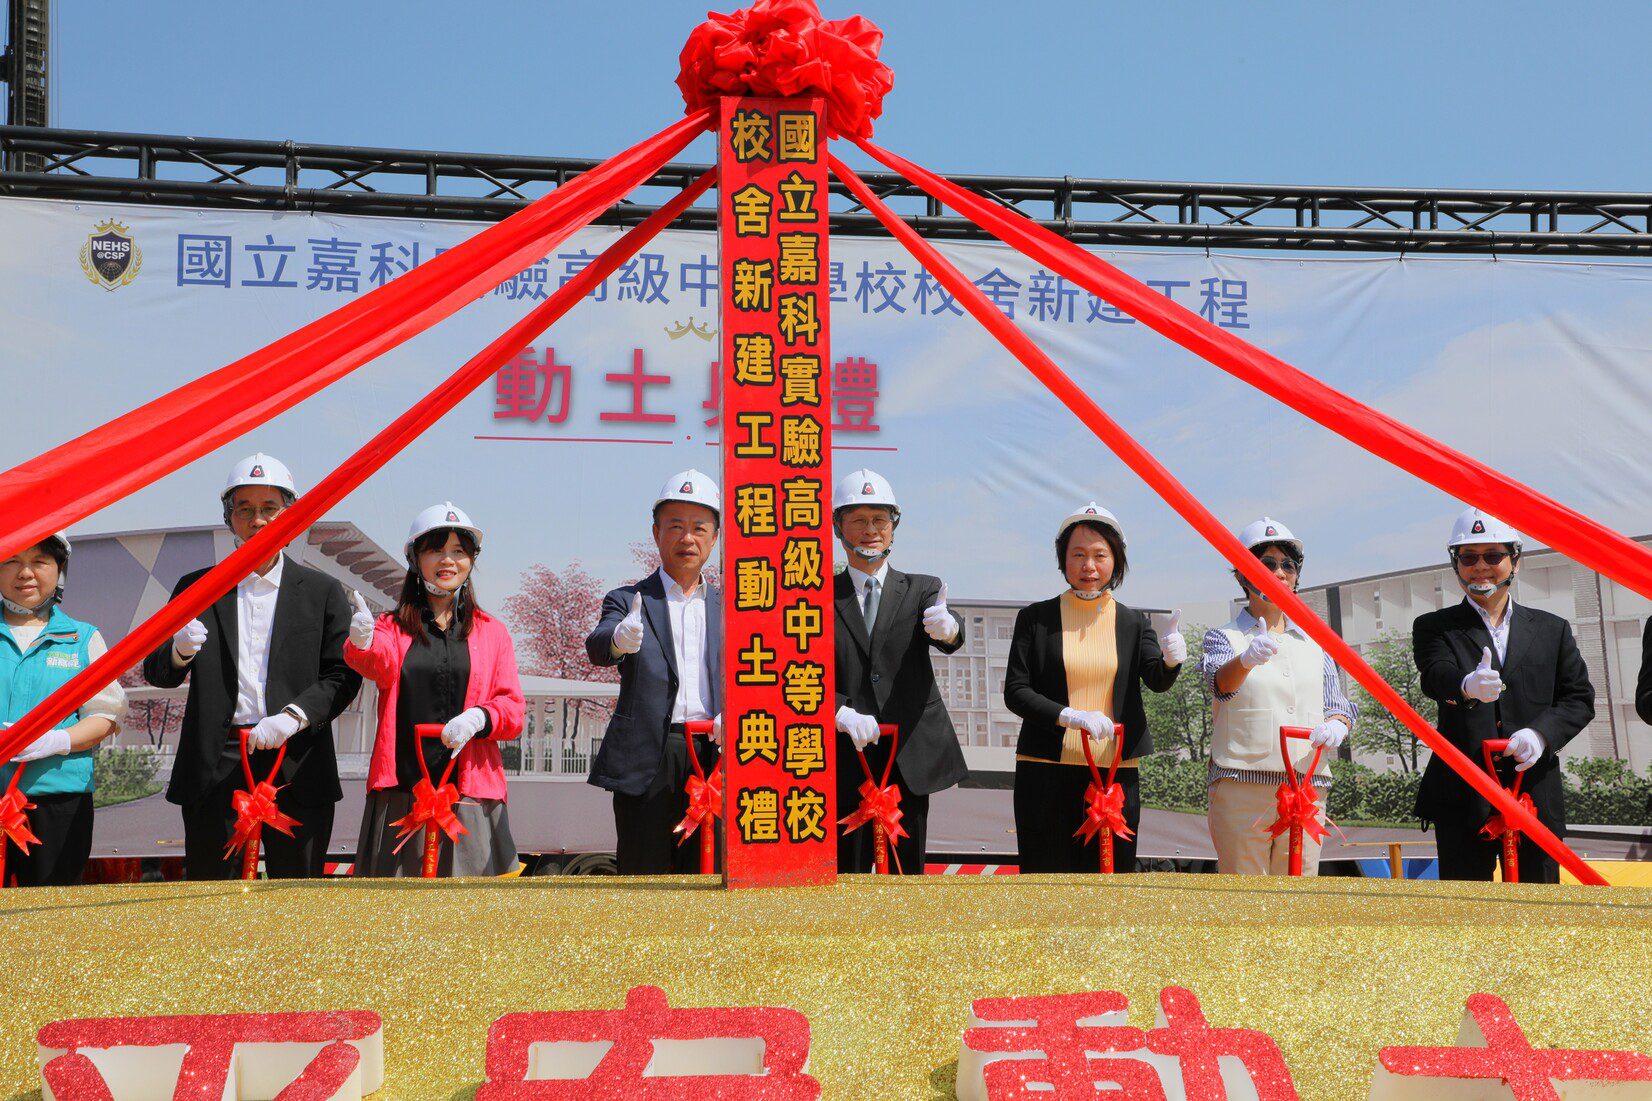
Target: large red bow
[[705, 804], [1496, 826], [877, 804], [14, 820], [1103, 807], [430, 804], [1298, 806], [254, 809], [781, 49]]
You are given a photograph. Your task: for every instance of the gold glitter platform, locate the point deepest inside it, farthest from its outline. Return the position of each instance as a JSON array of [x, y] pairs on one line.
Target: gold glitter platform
[[884, 969]]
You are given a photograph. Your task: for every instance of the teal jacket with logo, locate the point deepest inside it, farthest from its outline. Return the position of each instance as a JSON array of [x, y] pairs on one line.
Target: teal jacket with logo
[[28, 677]]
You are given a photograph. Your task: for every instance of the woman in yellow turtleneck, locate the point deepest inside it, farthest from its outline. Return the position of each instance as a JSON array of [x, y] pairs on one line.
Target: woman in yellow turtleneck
[[1077, 663]]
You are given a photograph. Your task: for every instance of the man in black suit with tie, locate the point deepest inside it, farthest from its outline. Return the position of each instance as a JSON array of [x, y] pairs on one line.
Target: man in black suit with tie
[[666, 635], [1498, 670], [886, 622], [267, 655]]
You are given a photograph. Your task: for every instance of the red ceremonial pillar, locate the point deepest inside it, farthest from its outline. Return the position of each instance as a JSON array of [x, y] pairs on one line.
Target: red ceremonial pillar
[[779, 701]]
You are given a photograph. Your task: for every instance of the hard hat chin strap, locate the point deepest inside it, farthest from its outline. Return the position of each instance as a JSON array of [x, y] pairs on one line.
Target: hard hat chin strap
[[15, 608], [870, 555]]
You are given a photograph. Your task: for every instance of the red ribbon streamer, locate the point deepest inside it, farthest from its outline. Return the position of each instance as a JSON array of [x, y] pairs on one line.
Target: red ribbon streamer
[[783, 49], [1171, 491], [431, 804], [705, 803], [1546, 520], [330, 490], [52, 491], [1103, 809]]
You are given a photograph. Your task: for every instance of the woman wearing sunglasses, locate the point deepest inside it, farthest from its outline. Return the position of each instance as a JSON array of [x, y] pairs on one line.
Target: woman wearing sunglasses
[[1498, 670], [1265, 673]]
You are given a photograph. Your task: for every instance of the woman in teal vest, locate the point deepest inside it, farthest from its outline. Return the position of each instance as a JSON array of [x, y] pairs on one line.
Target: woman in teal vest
[[41, 649]]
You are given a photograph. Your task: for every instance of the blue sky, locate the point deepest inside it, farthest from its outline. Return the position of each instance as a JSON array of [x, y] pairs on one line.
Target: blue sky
[[1509, 94]]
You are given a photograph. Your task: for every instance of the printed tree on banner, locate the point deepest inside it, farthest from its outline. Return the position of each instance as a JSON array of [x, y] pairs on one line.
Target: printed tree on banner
[[551, 614], [155, 718]]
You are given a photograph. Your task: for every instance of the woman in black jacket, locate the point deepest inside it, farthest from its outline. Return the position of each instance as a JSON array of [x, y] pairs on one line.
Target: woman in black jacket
[[1076, 665]]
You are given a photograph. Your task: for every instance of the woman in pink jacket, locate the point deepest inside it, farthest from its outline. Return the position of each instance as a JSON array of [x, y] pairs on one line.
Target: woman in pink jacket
[[438, 659]]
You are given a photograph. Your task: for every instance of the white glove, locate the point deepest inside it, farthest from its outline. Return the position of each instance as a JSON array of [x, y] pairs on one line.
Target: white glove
[[717, 731], [1099, 725], [463, 727], [361, 622], [189, 640], [53, 743], [1171, 643], [1331, 733], [272, 732], [628, 635], [1485, 683], [939, 623], [1263, 646], [862, 729], [1526, 747]]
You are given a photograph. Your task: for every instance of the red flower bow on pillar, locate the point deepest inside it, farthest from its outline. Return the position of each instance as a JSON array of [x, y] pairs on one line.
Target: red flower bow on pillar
[[783, 49], [705, 804], [1103, 808], [432, 805]]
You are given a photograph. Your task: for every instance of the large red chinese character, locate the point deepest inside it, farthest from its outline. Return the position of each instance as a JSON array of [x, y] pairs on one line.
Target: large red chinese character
[[1492, 1047], [522, 388], [1048, 1041], [1183, 1033], [651, 1052], [855, 395], [287, 1056], [638, 379]]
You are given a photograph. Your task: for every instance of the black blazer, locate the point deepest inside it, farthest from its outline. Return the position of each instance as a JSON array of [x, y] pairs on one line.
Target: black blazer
[[888, 675], [1035, 683], [634, 743], [1545, 687], [1643, 682], [312, 620]]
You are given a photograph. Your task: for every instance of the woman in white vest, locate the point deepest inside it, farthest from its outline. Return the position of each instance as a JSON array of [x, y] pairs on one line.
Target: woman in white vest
[[1264, 673]]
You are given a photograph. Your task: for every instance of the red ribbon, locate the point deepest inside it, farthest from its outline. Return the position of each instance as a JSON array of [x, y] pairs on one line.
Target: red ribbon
[[877, 804], [431, 804], [781, 49], [705, 804], [1103, 807], [1496, 826], [14, 819], [1298, 806], [254, 809]]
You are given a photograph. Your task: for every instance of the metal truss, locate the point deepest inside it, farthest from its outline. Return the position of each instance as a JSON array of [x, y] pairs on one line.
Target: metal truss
[[83, 165]]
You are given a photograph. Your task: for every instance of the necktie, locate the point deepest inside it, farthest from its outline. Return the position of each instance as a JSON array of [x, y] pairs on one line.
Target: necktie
[[869, 607]]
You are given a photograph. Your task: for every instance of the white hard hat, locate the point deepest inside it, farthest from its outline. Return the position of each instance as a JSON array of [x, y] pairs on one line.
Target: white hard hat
[[1474, 526], [1268, 530], [259, 470], [1096, 515], [694, 486], [445, 515], [865, 487]]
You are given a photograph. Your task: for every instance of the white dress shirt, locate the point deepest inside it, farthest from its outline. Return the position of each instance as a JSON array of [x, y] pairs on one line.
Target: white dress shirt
[[1500, 631], [255, 599], [692, 649]]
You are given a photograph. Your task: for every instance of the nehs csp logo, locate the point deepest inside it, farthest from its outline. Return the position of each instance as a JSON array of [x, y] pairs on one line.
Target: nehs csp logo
[[110, 257]]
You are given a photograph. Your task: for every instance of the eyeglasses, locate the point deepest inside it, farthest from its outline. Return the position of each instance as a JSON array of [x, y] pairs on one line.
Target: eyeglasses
[[1490, 558], [268, 512], [881, 523], [1275, 565]]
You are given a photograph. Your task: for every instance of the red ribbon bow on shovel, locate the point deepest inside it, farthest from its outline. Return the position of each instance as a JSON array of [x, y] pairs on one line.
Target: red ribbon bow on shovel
[[1104, 802], [1297, 800], [255, 807], [705, 799], [1497, 828], [880, 804], [14, 821], [433, 803]]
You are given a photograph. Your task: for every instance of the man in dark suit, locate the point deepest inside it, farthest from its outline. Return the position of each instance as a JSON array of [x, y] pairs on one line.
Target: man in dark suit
[[267, 655], [666, 635], [886, 623], [1498, 670]]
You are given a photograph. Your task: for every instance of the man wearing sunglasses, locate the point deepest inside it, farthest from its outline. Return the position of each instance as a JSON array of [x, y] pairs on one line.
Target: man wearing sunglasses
[[1498, 670], [1264, 673]]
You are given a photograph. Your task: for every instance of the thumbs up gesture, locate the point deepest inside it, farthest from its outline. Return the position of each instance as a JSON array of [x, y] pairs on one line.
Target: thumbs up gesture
[[361, 622], [628, 635], [1262, 647], [1171, 642], [1484, 683], [939, 623]]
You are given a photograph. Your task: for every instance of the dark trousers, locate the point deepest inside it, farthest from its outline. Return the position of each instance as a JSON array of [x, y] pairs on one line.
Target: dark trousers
[[64, 825], [209, 822], [856, 850], [1049, 808], [645, 824], [1467, 854]]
